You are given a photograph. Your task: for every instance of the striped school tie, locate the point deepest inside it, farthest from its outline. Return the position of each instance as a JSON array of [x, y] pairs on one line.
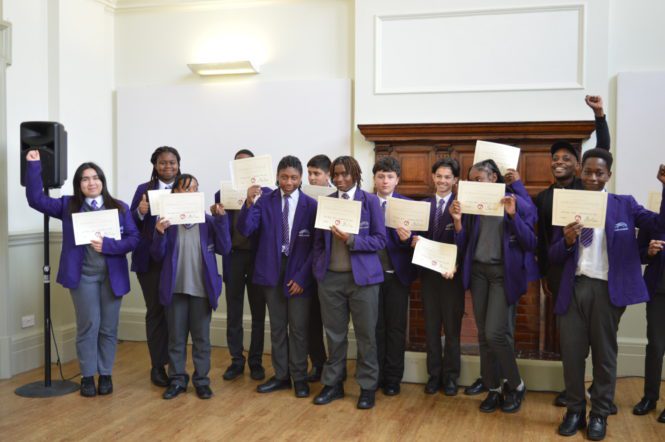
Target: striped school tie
[[438, 217], [383, 206], [285, 225], [587, 236], [94, 205]]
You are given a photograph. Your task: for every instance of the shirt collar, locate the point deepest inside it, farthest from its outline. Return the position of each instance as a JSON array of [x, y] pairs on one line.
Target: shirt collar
[[445, 198], [384, 200], [162, 185], [351, 192], [99, 199], [294, 196]]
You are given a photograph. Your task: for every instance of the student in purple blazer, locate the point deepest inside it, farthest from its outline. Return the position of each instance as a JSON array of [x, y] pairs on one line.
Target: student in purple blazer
[[284, 223], [96, 275], [318, 174], [165, 168], [651, 251], [497, 276], [189, 288], [348, 270], [601, 275], [443, 298], [237, 271], [398, 274]]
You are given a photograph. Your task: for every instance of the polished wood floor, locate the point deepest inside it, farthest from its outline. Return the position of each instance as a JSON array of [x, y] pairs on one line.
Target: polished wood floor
[[136, 411]]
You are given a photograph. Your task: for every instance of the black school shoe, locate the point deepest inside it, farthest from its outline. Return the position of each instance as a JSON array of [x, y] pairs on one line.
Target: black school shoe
[[493, 401], [597, 427], [329, 394], [560, 400], [572, 422], [173, 391], [88, 386], [513, 400], [105, 385], [366, 399], [476, 388], [204, 392], [159, 377]]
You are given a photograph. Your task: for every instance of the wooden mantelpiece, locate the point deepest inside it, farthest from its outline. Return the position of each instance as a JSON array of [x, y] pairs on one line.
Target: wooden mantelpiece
[[418, 146]]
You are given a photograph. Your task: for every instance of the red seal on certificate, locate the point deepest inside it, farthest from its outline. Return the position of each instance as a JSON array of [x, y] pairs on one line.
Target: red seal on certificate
[[183, 216], [406, 222], [98, 234], [253, 180], [240, 202], [480, 206], [337, 222], [434, 262], [578, 218]]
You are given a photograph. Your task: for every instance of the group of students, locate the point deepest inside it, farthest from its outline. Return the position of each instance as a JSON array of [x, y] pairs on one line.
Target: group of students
[[313, 281]]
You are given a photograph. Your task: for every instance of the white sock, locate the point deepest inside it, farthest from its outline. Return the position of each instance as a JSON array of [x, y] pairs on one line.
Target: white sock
[[520, 387]]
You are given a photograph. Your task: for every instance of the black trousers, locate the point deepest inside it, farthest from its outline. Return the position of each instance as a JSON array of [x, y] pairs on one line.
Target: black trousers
[[443, 305], [653, 363], [315, 346], [156, 327], [242, 268], [391, 328], [591, 321]]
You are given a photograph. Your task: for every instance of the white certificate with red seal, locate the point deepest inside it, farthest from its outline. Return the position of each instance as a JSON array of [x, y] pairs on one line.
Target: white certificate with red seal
[[587, 207], [506, 157], [437, 256], [95, 224], [412, 215], [183, 208], [338, 212], [479, 198], [231, 198], [248, 172]]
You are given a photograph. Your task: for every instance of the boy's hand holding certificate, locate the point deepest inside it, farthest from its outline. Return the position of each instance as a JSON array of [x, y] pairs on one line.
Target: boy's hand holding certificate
[[96, 224], [584, 206], [412, 215], [481, 198], [506, 157], [248, 172], [183, 208], [341, 213], [437, 256], [231, 198]]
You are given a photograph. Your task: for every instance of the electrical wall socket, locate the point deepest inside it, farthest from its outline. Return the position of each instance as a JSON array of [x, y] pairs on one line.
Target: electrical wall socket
[[28, 321]]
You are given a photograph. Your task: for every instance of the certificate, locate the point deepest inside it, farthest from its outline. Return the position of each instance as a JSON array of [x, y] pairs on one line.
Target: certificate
[[584, 206], [412, 215], [481, 198], [434, 255], [154, 197], [317, 191], [94, 225], [231, 198], [183, 208], [338, 212], [654, 201], [248, 172], [506, 157]]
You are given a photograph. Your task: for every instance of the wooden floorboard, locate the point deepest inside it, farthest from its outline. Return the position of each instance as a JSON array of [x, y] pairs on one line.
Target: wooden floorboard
[[136, 411]]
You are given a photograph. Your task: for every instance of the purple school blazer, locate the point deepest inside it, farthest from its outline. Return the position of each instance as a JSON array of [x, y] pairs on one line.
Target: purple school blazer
[[141, 254], [71, 257], [532, 269], [215, 238], [625, 282], [653, 274], [400, 253], [365, 263], [226, 259], [518, 240], [265, 219]]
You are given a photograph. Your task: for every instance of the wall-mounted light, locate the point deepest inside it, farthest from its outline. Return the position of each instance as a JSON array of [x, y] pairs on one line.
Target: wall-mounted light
[[224, 68]]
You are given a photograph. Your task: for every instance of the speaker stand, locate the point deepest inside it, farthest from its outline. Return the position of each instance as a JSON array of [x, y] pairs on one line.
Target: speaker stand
[[47, 388]]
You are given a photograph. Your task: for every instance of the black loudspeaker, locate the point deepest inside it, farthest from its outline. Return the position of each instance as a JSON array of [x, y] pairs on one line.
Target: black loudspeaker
[[51, 140]]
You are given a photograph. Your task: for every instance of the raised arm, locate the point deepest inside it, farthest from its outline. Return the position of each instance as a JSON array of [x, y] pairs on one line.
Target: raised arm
[[34, 189], [595, 102]]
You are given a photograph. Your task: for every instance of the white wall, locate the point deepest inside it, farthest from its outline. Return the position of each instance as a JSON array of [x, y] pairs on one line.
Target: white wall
[[291, 40], [62, 71]]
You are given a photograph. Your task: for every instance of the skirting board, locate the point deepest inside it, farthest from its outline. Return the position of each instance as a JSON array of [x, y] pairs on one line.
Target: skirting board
[[27, 350]]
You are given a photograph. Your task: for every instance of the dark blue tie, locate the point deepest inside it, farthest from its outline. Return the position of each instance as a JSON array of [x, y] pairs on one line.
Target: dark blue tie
[[94, 206], [285, 226], [438, 217], [345, 196], [587, 236]]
